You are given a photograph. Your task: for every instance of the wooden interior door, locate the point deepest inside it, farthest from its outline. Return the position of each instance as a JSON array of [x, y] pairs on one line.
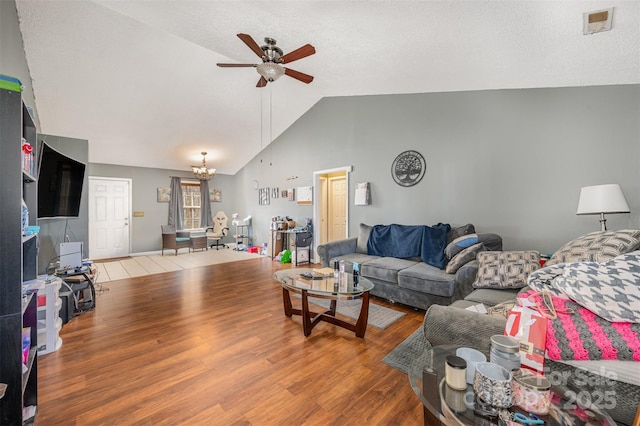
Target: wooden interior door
[[324, 211], [337, 207]]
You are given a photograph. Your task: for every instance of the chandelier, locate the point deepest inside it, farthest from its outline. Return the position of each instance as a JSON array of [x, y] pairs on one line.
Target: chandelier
[[202, 172]]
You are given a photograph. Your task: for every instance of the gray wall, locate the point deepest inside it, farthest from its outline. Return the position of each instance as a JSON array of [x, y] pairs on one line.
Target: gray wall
[[508, 161], [145, 231], [54, 231], [13, 61]]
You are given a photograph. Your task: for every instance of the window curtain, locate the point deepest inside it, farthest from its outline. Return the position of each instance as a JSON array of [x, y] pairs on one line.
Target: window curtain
[[205, 205], [176, 205]]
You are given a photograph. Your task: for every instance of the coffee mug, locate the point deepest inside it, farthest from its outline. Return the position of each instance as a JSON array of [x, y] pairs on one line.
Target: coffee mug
[[472, 357], [492, 383]]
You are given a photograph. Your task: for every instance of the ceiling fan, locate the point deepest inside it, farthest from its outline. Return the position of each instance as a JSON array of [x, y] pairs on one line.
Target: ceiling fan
[[272, 67]]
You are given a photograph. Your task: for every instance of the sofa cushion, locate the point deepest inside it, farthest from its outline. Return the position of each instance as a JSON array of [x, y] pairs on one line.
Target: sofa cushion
[[428, 279], [459, 231], [490, 296], [385, 268], [505, 269], [363, 238], [350, 258], [597, 247], [466, 255], [492, 242]]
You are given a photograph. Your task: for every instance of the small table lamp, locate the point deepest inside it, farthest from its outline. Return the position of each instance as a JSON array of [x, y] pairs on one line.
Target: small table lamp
[[601, 199]]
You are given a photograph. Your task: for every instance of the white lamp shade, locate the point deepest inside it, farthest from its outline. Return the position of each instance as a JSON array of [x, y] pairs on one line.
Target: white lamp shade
[[602, 199]]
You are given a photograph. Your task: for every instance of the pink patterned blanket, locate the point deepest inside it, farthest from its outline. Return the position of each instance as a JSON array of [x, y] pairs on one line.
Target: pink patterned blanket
[[579, 334]]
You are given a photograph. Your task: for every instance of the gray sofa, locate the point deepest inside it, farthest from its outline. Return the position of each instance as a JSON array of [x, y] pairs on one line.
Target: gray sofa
[[444, 325], [408, 281]]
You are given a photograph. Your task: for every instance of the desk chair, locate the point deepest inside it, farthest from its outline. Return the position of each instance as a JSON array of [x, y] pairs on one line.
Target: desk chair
[[219, 230], [171, 240]]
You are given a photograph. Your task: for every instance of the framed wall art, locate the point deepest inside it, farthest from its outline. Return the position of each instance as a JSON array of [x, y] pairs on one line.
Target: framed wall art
[[215, 195], [164, 195], [263, 196], [305, 195], [275, 193]]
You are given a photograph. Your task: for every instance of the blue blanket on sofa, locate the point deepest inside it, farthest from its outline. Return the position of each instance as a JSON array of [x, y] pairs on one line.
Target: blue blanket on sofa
[[405, 241]]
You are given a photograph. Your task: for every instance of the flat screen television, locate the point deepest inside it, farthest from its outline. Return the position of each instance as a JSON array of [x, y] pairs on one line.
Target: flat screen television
[[60, 181]]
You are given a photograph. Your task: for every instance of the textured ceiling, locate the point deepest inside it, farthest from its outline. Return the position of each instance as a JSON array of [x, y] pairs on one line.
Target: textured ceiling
[[139, 79]]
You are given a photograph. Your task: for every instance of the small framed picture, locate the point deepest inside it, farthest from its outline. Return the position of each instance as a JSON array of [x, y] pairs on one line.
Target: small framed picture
[[215, 195], [284, 193], [164, 195], [275, 193], [263, 196]]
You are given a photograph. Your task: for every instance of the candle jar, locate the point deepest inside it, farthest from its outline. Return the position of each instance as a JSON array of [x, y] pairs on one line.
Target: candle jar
[[505, 352], [531, 392], [455, 372]]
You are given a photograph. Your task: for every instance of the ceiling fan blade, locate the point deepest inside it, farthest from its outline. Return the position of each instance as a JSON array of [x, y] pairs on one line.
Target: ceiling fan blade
[[302, 52], [249, 41], [305, 78], [236, 65], [262, 82]]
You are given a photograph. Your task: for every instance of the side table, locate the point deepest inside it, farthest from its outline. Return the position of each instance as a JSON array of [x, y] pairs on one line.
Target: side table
[[198, 243]]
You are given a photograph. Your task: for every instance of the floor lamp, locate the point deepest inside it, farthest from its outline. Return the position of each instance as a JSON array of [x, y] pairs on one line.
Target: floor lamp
[[602, 199]]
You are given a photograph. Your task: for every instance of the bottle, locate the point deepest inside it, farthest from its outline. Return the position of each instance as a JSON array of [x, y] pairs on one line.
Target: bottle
[[336, 269], [356, 274]]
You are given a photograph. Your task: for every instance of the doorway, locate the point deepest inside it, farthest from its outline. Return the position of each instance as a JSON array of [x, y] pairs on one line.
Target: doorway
[[331, 211], [109, 217]]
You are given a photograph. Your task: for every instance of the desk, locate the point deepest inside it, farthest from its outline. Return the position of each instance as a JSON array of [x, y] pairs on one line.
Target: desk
[[282, 239]]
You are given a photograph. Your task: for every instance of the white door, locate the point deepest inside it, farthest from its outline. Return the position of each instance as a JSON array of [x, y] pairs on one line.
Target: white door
[[109, 213]]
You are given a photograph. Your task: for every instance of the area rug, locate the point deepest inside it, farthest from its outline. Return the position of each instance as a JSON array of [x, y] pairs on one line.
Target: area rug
[[379, 316], [408, 351]]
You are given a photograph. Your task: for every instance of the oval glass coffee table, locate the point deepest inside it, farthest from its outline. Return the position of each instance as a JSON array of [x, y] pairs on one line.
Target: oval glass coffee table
[[446, 406], [325, 288]]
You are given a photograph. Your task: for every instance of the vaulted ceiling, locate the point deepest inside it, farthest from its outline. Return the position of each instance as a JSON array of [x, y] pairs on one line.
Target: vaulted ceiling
[[139, 80]]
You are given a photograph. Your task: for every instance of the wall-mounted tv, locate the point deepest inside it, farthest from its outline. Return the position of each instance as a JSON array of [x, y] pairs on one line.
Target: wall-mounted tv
[[60, 181]]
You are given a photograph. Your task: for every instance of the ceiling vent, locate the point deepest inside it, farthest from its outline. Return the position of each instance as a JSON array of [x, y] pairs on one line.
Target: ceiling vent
[[597, 22]]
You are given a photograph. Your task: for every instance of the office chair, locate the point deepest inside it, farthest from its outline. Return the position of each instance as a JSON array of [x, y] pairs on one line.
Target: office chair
[[219, 230]]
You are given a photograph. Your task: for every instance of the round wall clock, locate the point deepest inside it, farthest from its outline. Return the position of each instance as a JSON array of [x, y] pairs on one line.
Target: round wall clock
[[408, 168], [255, 184]]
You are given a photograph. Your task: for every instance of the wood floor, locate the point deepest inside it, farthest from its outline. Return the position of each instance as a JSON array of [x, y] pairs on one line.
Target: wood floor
[[211, 346]]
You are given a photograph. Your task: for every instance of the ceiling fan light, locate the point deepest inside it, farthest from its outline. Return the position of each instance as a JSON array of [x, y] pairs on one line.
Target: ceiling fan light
[[270, 71]]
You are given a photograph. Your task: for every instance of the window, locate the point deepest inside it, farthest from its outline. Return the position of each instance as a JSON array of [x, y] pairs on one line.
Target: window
[[191, 202]]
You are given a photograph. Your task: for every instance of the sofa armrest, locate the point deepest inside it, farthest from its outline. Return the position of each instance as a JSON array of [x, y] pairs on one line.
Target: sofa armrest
[[464, 278], [332, 249], [446, 325]]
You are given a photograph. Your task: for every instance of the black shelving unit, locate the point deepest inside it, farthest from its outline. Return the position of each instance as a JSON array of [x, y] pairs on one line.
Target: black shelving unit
[[18, 263]]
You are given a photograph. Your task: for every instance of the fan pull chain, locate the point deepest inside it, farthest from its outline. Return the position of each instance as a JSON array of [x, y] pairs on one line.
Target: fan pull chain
[[261, 120], [270, 127]]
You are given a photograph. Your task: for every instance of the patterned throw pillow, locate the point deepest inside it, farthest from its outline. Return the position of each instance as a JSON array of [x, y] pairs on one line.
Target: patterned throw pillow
[[505, 269], [464, 257], [597, 247], [610, 290], [459, 244]]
